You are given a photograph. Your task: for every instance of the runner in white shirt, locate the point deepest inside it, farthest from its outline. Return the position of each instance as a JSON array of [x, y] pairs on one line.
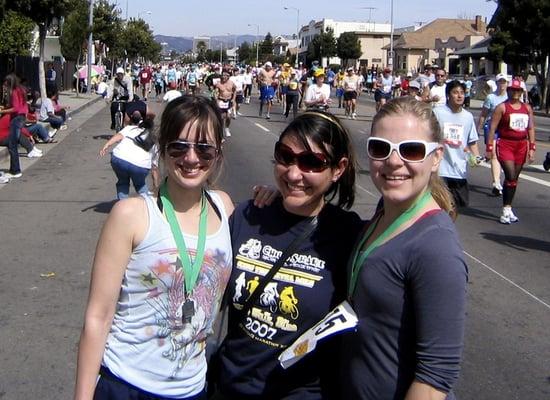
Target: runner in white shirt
[[435, 93], [239, 81], [248, 78], [318, 95], [351, 87]]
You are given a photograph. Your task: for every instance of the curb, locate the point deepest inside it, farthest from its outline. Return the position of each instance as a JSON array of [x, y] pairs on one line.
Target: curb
[[4, 154]]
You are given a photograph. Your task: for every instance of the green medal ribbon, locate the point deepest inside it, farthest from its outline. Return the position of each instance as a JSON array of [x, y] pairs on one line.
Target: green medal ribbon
[[191, 271], [359, 256]]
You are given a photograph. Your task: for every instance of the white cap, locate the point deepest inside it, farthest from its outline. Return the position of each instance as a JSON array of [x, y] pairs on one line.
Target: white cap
[[492, 85], [120, 70], [409, 74], [502, 76], [268, 64]]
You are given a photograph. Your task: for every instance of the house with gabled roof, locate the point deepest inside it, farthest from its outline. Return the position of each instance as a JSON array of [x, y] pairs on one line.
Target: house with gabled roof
[[435, 43]]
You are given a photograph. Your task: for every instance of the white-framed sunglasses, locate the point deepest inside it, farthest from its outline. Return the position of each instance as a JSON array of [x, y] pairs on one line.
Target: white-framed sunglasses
[[413, 151]]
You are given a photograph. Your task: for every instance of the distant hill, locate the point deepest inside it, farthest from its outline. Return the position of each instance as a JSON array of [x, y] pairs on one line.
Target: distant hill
[[183, 44]]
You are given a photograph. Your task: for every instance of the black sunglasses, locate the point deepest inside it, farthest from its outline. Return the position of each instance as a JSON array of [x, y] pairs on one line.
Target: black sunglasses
[[180, 148], [307, 161], [413, 151]]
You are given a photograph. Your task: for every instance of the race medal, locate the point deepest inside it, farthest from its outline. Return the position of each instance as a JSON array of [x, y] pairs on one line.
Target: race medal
[[187, 311]]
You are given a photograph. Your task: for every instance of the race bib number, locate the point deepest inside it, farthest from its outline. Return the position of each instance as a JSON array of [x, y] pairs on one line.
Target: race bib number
[[452, 134], [386, 88], [341, 318], [519, 122], [144, 75], [224, 105]]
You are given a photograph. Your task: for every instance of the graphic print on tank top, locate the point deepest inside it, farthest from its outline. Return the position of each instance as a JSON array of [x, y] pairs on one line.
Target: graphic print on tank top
[[165, 286]]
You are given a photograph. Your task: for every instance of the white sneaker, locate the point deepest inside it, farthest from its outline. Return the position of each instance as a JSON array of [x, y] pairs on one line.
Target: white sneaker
[[227, 132], [512, 216], [239, 113], [52, 133], [505, 216], [9, 175], [3, 178], [354, 116], [63, 127], [34, 153]]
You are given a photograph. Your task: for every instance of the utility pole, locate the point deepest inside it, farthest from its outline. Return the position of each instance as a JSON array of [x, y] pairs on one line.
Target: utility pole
[[390, 58], [90, 47]]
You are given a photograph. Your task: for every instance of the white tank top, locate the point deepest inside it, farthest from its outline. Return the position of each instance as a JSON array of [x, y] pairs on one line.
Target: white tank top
[[148, 345]]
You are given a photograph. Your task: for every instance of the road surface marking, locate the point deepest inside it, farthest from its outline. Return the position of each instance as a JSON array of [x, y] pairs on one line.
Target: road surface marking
[[526, 177], [365, 190], [507, 280], [363, 131], [261, 127]]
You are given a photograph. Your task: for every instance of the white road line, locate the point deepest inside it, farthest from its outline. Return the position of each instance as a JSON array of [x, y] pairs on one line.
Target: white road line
[[365, 190], [508, 280], [363, 131], [526, 177], [261, 127]]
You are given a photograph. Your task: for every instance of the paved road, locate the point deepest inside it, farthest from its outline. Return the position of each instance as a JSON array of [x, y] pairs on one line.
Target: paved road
[[51, 219]]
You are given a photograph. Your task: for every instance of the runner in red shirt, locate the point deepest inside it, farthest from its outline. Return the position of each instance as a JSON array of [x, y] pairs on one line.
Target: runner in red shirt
[[514, 122], [145, 76]]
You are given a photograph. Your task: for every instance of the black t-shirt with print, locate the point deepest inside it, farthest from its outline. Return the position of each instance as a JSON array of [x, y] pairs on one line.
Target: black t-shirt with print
[[310, 284]]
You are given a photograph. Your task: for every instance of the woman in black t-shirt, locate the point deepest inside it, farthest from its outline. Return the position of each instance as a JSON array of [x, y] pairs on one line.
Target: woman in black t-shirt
[[314, 164]]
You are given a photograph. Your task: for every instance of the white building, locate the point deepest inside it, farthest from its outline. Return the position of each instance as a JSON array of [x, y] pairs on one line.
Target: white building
[[308, 32], [281, 45]]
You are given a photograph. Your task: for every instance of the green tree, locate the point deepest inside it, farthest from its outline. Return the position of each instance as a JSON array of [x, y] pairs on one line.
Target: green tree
[[348, 47], [322, 45], [43, 13], [520, 37], [107, 25], [245, 52], [16, 34], [138, 41], [266, 47], [75, 31]]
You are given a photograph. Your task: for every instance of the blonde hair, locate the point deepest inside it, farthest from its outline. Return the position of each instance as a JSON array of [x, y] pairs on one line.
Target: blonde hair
[[423, 112]]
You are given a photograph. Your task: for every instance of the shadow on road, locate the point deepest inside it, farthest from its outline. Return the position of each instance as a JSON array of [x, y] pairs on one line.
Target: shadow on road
[[520, 243], [104, 207], [477, 213]]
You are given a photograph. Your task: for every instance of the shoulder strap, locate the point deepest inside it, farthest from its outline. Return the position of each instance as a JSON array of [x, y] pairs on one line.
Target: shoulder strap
[[278, 264], [121, 83]]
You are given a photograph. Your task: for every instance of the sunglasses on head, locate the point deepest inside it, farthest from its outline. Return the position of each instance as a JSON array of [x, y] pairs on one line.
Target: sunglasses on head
[[307, 161], [413, 151], [180, 148]]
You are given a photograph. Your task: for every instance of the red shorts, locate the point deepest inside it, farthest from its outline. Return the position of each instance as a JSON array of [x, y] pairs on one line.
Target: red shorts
[[512, 150]]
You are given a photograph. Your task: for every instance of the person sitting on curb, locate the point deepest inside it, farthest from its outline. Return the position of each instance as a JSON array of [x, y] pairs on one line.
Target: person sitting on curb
[[25, 139], [47, 113]]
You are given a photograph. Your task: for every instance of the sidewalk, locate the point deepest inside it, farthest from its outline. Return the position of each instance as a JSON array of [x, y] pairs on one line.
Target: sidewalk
[[74, 105]]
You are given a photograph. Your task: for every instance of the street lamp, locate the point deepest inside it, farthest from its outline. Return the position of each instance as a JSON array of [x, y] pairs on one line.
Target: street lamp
[[297, 30], [257, 41]]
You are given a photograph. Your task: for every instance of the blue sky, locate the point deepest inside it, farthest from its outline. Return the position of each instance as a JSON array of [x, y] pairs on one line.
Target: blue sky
[[215, 17]]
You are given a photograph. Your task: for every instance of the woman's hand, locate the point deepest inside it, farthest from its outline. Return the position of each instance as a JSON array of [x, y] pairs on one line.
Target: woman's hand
[[531, 156], [103, 151], [264, 195]]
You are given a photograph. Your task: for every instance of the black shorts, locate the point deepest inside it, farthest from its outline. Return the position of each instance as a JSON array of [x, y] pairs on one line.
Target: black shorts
[[379, 95], [350, 95], [239, 98], [459, 190]]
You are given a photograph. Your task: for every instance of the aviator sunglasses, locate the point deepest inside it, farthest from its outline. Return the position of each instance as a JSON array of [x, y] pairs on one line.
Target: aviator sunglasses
[[180, 148], [307, 161], [413, 151]]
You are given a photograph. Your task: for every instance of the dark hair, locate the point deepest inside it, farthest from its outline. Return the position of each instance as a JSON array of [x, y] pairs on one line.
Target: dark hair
[[328, 133], [12, 82], [185, 110], [454, 84], [423, 113]]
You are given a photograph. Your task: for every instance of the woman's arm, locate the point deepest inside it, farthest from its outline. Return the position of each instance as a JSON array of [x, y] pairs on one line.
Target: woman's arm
[[421, 391], [532, 139], [111, 259], [117, 137], [495, 120], [438, 282]]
